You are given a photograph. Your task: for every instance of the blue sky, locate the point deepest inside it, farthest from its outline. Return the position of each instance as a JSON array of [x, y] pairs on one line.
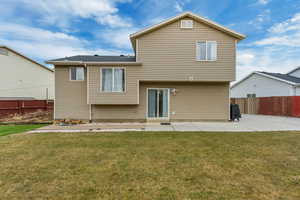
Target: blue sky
[[47, 29]]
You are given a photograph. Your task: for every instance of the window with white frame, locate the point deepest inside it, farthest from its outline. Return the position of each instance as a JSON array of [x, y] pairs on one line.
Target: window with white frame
[[206, 51], [187, 23], [113, 79], [77, 73]]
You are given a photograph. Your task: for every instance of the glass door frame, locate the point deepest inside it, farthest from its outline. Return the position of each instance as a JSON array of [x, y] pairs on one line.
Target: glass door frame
[[147, 111]]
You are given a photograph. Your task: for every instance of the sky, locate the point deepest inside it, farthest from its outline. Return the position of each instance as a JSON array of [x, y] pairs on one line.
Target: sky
[[48, 29]]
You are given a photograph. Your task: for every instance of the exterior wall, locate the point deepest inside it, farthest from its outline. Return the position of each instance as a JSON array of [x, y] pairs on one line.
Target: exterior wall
[[262, 87], [297, 91], [130, 96], [70, 96], [20, 77], [296, 73], [192, 102], [169, 54]]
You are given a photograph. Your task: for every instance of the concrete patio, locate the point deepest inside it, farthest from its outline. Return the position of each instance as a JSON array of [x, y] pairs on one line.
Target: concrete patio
[[249, 123]]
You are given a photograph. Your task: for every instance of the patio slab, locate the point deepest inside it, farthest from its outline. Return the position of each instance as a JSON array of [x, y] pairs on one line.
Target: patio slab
[[249, 123]]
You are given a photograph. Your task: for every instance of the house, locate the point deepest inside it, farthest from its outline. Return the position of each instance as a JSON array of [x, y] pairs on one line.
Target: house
[[181, 71], [23, 78], [266, 84]]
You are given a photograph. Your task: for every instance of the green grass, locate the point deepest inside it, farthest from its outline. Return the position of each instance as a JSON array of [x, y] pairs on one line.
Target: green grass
[[146, 166], [12, 129]]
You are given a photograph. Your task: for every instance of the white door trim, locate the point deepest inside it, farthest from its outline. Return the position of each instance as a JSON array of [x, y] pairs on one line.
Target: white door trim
[[157, 118]]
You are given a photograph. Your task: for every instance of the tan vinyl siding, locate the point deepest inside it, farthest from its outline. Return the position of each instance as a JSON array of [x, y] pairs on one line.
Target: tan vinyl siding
[[169, 53], [70, 96], [130, 96], [193, 102]]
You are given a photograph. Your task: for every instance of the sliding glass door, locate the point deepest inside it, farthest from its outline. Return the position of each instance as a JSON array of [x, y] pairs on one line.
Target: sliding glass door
[[158, 103]]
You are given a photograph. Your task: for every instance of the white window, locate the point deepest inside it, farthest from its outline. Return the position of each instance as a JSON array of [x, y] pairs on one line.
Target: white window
[[186, 23], [206, 51], [76, 73], [113, 79]]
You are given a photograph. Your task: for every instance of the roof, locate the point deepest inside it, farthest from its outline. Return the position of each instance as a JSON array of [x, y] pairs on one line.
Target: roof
[[285, 77], [29, 59], [96, 58], [292, 80], [198, 18], [297, 68]]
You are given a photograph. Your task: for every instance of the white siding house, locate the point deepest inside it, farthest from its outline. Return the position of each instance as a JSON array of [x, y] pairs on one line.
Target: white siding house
[[265, 84], [21, 77]]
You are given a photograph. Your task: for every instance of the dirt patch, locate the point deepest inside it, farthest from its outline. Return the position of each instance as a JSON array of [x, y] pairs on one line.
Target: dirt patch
[[35, 117]]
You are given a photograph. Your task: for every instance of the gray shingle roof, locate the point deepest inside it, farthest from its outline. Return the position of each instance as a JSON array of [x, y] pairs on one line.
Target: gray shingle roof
[[283, 76], [96, 58]]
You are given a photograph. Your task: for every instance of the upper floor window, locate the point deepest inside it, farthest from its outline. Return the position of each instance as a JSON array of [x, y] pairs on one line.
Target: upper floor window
[[113, 79], [76, 73], [206, 51], [187, 23]]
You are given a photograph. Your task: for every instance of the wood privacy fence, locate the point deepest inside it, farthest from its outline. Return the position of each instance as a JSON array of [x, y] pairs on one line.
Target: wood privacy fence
[[8, 107], [280, 106]]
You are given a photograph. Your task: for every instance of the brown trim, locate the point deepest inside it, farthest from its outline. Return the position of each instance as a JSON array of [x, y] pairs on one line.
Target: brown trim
[[19, 54]]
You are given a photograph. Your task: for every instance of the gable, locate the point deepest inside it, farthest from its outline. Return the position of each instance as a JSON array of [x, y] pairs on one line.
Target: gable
[[200, 31], [192, 16], [295, 72], [6, 51]]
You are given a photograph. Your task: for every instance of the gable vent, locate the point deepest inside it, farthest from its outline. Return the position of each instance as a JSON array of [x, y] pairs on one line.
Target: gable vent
[[187, 23]]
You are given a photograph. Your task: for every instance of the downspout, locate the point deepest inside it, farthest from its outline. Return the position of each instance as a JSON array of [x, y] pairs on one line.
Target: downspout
[[88, 93]]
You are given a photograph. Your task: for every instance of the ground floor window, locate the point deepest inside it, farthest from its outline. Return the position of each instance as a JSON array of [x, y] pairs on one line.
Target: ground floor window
[[113, 79]]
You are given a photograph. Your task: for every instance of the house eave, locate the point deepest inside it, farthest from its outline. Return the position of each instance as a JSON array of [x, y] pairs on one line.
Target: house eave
[[70, 63]]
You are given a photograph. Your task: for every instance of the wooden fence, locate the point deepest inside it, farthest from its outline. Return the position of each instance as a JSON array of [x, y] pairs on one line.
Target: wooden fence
[[8, 107], [280, 106]]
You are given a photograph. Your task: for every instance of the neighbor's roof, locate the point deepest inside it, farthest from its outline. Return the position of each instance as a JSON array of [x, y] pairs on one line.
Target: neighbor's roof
[[198, 18], [29, 59], [96, 59], [285, 77], [297, 68], [292, 80]]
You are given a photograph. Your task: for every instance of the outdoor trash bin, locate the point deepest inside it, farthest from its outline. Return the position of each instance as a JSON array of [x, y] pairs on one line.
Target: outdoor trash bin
[[235, 112]]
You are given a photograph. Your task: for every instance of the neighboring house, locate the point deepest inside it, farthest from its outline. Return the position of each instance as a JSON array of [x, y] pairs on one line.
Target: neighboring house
[[23, 78], [266, 84], [181, 71]]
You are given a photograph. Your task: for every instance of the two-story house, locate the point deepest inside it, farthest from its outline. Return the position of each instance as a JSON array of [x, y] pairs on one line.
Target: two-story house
[[181, 71]]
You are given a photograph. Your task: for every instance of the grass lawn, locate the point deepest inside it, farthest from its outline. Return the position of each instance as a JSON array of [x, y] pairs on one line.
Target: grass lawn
[[151, 166], [11, 129]]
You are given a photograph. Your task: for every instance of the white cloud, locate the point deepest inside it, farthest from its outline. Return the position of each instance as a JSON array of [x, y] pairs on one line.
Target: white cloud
[[261, 18], [118, 38], [264, 2], [285, 33], [44, 44], [292, 24], [178, 7], [278, 51], [62, 12], [266, 59]]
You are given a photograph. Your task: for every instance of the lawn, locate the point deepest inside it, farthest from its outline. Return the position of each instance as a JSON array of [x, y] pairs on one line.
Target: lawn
[[146, 166], [11, 129]]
